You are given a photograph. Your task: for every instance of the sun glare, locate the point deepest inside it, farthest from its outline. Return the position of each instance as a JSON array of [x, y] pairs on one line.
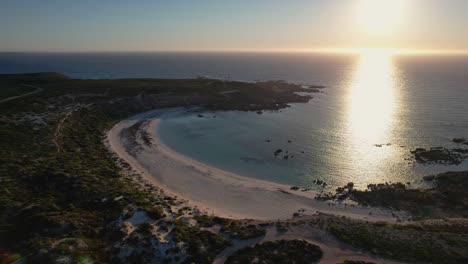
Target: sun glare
[[372, 96], [373, 106], [380, 17]]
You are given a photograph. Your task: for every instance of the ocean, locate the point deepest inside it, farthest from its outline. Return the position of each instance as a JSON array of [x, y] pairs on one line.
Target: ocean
[[397, 102]]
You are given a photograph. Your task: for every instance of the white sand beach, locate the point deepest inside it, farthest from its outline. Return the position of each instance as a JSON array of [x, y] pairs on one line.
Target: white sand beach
[[217, 191]]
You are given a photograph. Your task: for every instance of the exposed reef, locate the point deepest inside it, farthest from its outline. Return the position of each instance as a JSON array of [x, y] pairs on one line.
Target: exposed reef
[[440, 155], [447, 196]]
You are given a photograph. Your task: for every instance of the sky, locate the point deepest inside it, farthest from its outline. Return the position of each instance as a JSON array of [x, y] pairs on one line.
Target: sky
[[237, 25]]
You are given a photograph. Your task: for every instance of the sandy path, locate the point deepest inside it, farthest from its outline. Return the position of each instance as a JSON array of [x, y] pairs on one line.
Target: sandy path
[[217, 191], [58, 129], [38, 89]]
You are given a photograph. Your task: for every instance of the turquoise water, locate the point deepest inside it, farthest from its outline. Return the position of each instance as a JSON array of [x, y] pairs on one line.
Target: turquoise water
[[410, 101]]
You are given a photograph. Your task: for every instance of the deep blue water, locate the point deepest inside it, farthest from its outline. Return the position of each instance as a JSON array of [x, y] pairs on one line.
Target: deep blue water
[[408, 101]]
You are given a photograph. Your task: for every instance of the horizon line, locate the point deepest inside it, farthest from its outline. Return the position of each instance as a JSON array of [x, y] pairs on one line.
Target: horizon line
[[396, 51]]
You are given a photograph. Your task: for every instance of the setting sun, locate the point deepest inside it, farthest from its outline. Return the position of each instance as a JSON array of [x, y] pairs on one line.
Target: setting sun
[[379, 17]]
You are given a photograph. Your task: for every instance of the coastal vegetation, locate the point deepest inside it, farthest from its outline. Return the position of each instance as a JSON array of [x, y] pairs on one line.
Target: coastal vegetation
[[203, 246], [65, 198], [281, 251], [59, 180], [14, 90], [441, 241]]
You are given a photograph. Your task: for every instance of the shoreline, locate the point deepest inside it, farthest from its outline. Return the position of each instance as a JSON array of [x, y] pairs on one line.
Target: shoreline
[[213, 190]]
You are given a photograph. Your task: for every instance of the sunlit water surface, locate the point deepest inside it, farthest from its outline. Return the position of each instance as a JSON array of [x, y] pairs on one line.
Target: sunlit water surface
[[361, 129], [398, 102]]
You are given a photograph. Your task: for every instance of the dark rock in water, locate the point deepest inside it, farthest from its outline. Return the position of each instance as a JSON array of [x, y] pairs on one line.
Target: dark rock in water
[[286, 157], [289, 141], [200, 115], [378, 145], [458, 140], [294, 188], [320, 183], [440, 155], [418, 150], [302, 151], [259, 112], [278, 151], [389, 144], [268, 140]]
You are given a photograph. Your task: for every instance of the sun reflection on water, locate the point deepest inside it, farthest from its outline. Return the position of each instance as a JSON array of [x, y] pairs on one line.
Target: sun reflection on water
[[371, 109], [372, 97]]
